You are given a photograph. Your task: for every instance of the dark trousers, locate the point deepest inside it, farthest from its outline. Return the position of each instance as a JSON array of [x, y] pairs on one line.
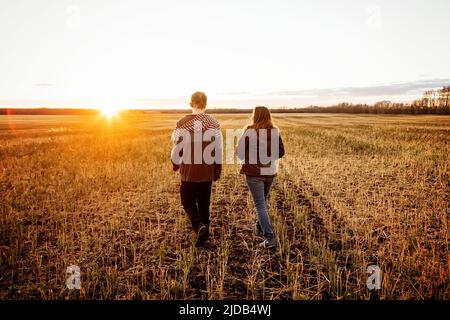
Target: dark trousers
[[195, 198]]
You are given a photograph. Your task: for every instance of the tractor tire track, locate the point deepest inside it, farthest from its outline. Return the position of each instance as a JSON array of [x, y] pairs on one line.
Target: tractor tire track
[[315, 207]]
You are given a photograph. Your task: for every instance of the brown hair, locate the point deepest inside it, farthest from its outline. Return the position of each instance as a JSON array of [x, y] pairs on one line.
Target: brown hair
[[261, 119], [199, 100]]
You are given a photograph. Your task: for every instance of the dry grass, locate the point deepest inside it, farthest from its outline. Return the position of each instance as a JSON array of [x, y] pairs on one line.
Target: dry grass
[[352, 190]]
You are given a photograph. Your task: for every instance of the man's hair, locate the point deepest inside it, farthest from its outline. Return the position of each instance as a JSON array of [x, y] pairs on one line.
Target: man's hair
[[199, 100]]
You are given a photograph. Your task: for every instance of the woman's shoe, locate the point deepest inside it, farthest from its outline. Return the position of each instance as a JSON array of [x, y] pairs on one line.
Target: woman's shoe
[[268, 244]]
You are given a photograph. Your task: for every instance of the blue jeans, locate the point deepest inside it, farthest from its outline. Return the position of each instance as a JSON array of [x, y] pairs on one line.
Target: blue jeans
[[260, 188]]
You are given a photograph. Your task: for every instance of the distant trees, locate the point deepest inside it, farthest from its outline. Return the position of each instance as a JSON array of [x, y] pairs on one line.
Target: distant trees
[[46, 111], [432, 102]]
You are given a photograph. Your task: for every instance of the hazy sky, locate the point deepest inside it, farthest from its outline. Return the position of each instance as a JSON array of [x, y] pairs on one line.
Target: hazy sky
[[155, 53]]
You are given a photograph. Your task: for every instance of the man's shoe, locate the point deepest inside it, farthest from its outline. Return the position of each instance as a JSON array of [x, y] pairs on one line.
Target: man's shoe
[[268, 244], [202, 236]]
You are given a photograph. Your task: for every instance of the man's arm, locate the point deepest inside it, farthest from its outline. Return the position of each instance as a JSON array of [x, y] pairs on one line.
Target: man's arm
[[176, 154], [218, 155]]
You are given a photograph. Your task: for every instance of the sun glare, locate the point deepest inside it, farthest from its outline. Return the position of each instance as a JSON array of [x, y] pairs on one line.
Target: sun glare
[[109, 112], [110, 108]]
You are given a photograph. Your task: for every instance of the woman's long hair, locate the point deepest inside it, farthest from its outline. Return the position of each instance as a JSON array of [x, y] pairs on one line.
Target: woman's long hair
[[261, 119]]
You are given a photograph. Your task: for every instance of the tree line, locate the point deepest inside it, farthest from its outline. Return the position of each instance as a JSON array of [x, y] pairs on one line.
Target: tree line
[[432, 102]]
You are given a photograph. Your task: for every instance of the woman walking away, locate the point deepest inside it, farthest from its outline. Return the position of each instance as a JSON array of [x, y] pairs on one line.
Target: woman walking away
[[259, 148]]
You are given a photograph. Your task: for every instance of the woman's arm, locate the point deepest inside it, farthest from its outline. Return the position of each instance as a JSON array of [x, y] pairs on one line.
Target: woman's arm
[[242, 147], [280, 146]]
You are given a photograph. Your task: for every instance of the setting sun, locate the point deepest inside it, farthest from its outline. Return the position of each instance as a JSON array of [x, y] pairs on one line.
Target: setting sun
[[110, 107], [109, 111]]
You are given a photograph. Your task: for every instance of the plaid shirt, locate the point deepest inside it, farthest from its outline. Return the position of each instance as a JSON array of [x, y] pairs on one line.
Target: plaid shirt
[[191, 124]]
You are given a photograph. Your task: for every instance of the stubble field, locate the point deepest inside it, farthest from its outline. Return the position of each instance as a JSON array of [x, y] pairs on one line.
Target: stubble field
[[353, 190]]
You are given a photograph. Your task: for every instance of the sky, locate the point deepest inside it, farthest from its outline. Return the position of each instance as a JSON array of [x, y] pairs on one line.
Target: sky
[[154, 54]]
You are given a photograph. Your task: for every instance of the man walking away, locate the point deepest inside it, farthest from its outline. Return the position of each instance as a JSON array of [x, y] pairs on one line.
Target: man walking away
[[197, 154]]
